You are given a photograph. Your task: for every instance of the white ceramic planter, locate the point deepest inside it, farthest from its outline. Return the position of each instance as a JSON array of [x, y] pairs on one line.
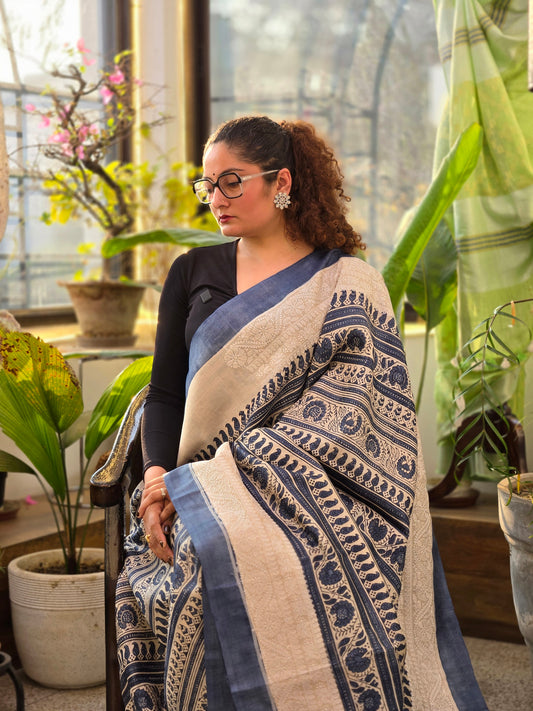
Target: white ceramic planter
[[58, 621], [516, 521]]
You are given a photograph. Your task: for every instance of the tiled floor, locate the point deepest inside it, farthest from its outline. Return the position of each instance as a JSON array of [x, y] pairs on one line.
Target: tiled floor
[[504, 672]]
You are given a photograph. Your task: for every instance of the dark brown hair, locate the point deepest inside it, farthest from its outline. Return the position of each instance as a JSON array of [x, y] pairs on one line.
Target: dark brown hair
[[318, 207]]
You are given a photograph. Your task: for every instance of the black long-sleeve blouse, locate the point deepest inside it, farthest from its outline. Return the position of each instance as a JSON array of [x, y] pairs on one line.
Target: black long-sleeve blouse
[[198, 283]]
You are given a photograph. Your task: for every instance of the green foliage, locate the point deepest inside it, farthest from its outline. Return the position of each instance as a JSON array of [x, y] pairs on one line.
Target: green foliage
[[41, 411], [490, 365], [432, 289], [183, 237], [451, 176]]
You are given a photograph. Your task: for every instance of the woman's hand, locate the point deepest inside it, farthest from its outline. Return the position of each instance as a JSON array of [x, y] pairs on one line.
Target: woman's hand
[[157, 512]]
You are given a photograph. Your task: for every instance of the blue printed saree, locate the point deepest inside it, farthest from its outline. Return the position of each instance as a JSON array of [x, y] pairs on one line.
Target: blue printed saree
[[303, 575]]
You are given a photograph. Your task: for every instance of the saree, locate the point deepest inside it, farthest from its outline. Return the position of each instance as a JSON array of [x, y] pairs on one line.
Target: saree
[[304, 574]]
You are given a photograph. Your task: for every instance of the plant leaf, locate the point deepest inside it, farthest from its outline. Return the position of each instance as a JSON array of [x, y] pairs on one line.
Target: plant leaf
[[451, 176], [35, 438], [432, 288], [10, 463], [43, 377], [182, 236], [77, 430], [110, 408]]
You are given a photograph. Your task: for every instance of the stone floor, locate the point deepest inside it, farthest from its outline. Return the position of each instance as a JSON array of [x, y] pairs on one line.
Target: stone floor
[[503, 670]]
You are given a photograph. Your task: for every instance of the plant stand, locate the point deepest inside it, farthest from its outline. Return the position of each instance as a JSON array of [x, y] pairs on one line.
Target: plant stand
[[6, 667], [516, 520]]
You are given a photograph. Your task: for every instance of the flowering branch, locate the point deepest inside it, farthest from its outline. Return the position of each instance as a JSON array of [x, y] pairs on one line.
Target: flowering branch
[[81, 140]]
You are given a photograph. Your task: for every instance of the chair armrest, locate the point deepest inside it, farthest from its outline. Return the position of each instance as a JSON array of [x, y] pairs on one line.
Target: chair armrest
[[110, 482]]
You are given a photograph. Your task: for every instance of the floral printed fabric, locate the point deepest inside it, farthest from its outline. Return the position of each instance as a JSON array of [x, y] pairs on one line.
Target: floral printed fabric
[[303, 569]]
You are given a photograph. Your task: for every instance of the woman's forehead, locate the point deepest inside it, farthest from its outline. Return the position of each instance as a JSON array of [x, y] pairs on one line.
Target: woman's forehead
[[219, 158]]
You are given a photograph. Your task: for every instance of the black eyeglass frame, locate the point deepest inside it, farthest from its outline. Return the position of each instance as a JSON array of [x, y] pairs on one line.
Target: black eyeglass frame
[[240, 179]]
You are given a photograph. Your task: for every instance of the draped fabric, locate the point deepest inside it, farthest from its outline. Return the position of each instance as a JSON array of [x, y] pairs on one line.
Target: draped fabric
[[303, 574], [483, 50]]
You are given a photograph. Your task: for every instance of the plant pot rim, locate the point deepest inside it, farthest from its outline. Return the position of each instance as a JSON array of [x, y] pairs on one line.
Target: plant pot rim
[[503, 485], [17, 565], [110, 283]]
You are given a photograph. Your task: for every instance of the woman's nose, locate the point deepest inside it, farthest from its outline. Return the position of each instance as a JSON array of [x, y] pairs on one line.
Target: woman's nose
[[218, 197]]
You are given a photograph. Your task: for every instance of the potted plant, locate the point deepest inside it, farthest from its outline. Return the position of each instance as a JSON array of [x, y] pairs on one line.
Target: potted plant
[[492, 364], [41, 411], [85, 125]]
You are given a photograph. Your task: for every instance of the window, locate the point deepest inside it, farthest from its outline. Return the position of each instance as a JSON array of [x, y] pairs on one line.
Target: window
[[34, 256], [365, 73]]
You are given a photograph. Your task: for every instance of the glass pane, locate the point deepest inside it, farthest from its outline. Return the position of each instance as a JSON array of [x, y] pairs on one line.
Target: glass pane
[[366, 73], [33, 255]]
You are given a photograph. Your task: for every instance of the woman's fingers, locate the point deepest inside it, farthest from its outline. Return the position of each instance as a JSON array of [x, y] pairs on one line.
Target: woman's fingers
[[153, 494], [155, 536], [157, 512]]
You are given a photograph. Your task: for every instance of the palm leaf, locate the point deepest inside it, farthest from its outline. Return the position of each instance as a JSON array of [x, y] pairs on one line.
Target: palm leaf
[[10, 463], [31, 433], [112, 405], [43, 377]]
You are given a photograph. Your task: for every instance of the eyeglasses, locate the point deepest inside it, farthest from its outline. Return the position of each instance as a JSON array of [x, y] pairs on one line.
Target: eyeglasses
[[229, 184]]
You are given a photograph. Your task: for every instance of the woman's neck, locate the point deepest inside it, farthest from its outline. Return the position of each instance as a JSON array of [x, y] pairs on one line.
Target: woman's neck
[[257, 259]]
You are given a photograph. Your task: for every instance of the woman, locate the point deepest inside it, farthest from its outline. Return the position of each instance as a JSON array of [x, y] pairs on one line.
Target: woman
[[286, 562]]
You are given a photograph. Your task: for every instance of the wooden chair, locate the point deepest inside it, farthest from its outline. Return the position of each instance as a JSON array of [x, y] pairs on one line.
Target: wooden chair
[[112, 484]]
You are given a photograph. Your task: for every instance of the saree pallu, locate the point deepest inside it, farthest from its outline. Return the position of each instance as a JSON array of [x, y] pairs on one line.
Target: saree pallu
[[303, 575]]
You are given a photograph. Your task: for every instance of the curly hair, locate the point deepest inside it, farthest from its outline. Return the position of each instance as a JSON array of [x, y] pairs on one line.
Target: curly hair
[[317, 213]]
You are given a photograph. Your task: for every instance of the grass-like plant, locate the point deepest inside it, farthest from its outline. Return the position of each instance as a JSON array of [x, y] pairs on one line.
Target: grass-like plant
[[490, 366]]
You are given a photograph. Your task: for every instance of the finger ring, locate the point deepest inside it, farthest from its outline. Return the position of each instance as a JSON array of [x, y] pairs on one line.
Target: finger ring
[[147, 538], [163, 492]]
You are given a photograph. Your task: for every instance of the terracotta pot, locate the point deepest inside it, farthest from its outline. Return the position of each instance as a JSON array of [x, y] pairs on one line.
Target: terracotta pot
[[106, 312], [58, 621], [516, 521]]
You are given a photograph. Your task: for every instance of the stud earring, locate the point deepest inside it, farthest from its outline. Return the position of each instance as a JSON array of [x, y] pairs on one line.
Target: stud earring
[[282, 200]]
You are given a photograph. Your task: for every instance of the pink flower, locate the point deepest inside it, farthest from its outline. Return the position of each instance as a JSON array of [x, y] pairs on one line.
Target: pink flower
[[106, 95], [80, 45], [64, 111], [59, 137], [80, 152], [45, 121], [93, 129], [117, 77], [30, 108], [83, 133]]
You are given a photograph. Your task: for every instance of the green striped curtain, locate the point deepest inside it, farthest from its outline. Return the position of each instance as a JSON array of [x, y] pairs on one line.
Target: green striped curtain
[[483, 48]]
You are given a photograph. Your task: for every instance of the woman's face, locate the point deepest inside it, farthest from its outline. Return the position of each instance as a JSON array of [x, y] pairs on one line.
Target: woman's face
[[253, 213]]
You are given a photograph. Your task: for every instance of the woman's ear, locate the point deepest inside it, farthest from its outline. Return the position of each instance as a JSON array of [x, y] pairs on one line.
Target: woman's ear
[[284, 181]]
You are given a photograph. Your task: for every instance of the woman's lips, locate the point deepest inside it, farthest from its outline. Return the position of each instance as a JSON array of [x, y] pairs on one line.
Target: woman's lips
[[223, 219]]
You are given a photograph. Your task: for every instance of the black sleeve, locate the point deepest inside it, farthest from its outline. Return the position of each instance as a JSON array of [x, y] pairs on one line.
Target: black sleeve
[[198, 283], [165, 402]]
